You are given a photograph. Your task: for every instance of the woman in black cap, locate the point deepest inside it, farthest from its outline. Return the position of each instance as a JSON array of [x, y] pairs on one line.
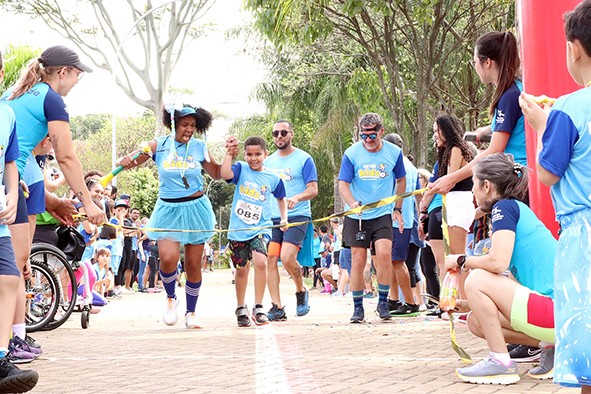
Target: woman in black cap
[[37, 102]]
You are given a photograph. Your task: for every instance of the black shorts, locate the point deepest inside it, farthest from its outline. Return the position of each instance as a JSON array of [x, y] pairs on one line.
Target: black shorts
[[22, 213], [372, 229], [435, 220]]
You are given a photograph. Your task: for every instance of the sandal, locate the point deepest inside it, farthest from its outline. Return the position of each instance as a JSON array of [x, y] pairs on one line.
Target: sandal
[[242, 316], [259, 316]]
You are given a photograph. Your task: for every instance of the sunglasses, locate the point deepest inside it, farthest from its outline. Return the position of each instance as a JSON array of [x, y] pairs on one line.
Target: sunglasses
[[282, 132], [371, 136]]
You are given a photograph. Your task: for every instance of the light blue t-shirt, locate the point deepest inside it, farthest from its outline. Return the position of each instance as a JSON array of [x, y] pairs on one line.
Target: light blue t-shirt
[[8, 147], [32, 173], [437, 201], [532, 261], [509, 118], [170, 167], [566, 152], [296, 171], [372, 175], [408, 204], [252, 200], [33, 110]]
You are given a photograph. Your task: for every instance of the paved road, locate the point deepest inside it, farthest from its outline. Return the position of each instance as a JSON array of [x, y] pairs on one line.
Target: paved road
[[127, 349]]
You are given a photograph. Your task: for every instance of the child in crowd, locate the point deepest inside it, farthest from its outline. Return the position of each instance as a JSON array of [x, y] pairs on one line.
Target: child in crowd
[[250, 211], [101, 268], [564, 163]]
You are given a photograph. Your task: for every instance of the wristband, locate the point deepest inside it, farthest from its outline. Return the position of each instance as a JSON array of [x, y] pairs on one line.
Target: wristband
[[396, 209]]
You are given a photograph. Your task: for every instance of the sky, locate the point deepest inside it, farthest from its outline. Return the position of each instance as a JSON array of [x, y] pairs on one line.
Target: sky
[[222, 82]]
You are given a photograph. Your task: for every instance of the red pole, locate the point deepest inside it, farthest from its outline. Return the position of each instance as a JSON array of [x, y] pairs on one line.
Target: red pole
[[543, 64]]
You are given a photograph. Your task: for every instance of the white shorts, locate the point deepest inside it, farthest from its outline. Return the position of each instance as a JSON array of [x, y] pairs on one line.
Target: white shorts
[[460, 209]]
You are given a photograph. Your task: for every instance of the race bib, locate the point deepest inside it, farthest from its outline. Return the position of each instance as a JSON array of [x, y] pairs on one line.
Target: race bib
[[248, 213]]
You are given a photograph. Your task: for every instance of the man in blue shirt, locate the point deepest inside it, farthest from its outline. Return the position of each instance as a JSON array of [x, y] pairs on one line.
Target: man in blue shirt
[[370, 170]]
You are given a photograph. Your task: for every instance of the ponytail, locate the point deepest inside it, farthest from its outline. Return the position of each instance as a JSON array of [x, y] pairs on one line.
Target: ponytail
[[33, 74], [500, 47]]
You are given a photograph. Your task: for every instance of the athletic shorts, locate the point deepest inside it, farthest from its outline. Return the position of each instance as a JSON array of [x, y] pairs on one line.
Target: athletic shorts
[[7, 259], [36, 199], [533, 314], [345, 259], [400, 242], [435, 221], [294, 235], [242, 250], [373, 229], [22, 215], [460, 209]]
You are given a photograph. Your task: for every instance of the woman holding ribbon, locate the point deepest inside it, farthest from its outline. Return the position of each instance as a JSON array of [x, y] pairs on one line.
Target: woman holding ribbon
[[182, 204]]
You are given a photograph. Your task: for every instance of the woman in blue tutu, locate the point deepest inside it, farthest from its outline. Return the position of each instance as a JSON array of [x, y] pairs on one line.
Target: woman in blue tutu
[[182, 203]]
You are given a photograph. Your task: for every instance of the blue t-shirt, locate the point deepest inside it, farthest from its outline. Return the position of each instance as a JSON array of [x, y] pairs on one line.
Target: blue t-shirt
[[8, 147], [296, 171], [509, 118], [566, 152], [170, 167], [33, 110], [437, 201], [117, 243], [252, 200], [408, 204], [372, 175], [33, 172], [532, 261]]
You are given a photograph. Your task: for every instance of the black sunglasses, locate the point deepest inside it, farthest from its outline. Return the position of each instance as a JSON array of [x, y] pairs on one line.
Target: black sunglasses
[[277, 132]]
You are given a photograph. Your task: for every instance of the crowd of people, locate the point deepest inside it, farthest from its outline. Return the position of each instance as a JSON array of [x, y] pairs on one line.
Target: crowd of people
[[518, 286]]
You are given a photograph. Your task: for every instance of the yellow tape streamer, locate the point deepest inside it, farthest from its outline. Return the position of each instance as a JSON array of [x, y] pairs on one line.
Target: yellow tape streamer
[[357, 210], [454, 343]]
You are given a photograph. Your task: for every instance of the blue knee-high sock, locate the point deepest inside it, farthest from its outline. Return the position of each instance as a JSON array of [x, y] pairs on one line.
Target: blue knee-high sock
[[169, 282], [192, 293], [383, 292], [357, 298]]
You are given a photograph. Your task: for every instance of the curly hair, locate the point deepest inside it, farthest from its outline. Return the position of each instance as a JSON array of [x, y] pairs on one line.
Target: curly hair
[[452, 129], [203, 118]]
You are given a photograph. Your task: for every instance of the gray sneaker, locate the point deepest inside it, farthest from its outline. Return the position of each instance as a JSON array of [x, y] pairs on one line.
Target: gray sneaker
[[489, 371], [545, 369]]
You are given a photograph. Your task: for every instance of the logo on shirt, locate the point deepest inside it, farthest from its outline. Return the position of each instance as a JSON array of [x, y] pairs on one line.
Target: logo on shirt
[[285, 175], [178, 163], [372, 171], [500, 116], [253, 191], [496, 215]]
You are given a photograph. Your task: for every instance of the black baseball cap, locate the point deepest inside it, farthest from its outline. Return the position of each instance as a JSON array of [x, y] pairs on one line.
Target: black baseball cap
[[62, 56]]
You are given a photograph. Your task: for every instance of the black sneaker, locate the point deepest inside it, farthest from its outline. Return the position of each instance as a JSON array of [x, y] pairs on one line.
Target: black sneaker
[[259, 316], [242, 316], [393, 304], [525, 354], [405, 309], [302, 306], [358, 315], [14, 380], [276, 313], [383, 310]]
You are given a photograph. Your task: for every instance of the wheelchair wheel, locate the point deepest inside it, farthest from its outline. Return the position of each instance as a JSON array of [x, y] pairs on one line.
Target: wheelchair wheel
[[85, 318], [42, 295], [55, 259]]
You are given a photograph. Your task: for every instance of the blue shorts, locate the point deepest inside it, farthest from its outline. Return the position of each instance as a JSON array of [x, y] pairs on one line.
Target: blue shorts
[[345, 259], [22, 215], [572, 301], [294, 235], [7, 259], [36, 200], [400, 244]]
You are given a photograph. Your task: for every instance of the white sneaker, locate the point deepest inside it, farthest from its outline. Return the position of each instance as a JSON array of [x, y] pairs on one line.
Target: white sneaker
[[170, 314], [191, 320]]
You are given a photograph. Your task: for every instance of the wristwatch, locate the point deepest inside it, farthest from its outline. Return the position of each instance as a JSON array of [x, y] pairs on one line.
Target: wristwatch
[[461, 261]]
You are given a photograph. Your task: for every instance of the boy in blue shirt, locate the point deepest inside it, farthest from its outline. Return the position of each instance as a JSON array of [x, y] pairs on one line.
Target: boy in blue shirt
[[564, 163], [251, 210], [12, 379]]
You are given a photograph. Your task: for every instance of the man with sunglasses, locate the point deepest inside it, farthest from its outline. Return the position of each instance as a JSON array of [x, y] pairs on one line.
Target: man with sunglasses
[[298, 172], [371, 169]]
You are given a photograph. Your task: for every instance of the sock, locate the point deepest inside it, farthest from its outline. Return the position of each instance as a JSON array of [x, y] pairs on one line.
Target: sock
[[169, 282], [503, 358], [544, 344], [20, 330], [3, 352], [383, 291], [192, 293], [357, 298]]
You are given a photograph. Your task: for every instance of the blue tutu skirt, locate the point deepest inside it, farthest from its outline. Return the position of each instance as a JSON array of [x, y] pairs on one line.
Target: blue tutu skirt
[[572, 301], [190, 215]]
